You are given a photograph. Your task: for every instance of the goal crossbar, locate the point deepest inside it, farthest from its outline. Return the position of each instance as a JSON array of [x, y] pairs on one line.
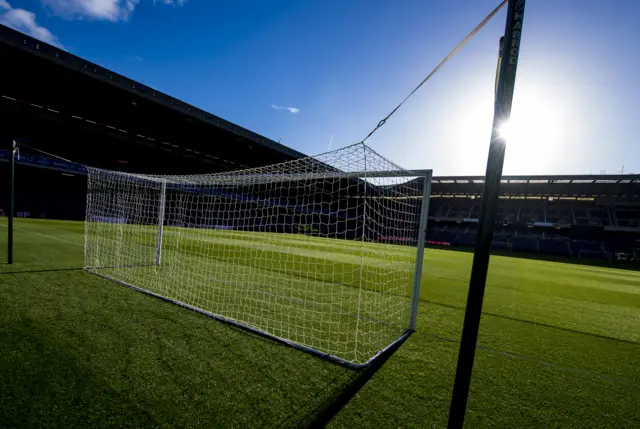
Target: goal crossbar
[[233, 179]]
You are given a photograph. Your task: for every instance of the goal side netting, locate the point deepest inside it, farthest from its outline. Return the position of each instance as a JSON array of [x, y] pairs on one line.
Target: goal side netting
[[318, 252]]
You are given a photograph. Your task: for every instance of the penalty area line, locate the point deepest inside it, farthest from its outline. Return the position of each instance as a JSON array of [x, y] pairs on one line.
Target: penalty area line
[[46, 236]]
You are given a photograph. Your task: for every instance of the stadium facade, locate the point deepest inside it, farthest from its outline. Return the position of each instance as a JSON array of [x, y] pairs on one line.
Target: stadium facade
[[64, 105]]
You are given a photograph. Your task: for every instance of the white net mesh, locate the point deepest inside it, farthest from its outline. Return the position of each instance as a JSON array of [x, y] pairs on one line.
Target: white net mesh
[[318, 251]]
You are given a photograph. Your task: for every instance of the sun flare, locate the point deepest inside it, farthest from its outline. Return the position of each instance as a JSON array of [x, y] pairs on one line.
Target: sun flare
[[534, 122]]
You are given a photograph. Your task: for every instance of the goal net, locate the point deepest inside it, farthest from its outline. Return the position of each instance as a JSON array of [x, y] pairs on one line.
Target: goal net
[[318, 252]]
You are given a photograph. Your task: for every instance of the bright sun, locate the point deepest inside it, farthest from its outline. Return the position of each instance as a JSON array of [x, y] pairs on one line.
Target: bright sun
[[534, 122], [505, 131], [535, 134]]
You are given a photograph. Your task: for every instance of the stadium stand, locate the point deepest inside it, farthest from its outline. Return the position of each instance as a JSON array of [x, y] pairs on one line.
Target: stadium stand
[[594, 216], [524, 243], [555, 246]]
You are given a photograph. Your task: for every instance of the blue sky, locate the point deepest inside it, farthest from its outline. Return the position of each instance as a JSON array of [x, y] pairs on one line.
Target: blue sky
[[320, 74]]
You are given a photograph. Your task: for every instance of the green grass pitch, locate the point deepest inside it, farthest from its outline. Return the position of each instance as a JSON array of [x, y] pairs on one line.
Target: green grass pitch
[[559, 347], [346, 298]]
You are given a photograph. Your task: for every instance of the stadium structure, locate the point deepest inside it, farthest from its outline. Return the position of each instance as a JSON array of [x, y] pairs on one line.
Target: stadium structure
[[585, 216], [64, 105]]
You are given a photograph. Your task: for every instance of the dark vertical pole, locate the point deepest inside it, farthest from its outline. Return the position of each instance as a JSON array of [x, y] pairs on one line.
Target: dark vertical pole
[[12, 174], [504, 96]]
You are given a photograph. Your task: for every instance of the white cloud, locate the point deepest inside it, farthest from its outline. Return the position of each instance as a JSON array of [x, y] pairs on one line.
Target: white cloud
[[134, 57], [293, 110], [25, 22], [170, 2], [101, 10], [105, 10]]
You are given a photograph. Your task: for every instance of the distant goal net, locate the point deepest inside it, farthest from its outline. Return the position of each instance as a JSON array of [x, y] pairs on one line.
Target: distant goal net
[[319, 252]]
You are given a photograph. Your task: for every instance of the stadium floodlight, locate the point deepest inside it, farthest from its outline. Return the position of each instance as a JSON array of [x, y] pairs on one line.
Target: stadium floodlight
[[322, 253]]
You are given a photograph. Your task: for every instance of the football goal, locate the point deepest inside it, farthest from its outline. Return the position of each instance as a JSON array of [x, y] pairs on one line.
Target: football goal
[[323, 253]]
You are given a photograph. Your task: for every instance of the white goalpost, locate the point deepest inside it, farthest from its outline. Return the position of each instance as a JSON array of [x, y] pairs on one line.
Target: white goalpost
[[322, 253]]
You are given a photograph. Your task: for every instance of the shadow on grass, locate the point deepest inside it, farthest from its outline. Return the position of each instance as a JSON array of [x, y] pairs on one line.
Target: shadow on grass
[[79, 351]]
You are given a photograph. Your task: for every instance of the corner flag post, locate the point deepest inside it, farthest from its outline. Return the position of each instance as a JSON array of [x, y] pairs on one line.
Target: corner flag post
[[504, 97]]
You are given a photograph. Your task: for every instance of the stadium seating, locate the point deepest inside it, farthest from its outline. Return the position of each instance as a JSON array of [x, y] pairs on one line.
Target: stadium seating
[[628, 217], [530, 212], [531, 242], [443, 236], [589, 249], [466, 239], [622, 243], [555, 246], [525, 244], [558, 212], [585, 213]]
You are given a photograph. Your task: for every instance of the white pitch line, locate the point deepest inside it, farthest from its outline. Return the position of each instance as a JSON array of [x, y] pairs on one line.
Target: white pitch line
[[46, 236]]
